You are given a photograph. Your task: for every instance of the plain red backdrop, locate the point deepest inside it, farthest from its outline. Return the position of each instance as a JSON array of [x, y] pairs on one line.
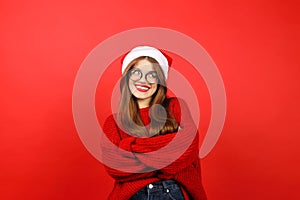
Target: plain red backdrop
[[255, 45]]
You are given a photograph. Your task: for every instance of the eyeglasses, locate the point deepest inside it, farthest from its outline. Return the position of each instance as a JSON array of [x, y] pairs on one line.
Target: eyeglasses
[[136, 74]]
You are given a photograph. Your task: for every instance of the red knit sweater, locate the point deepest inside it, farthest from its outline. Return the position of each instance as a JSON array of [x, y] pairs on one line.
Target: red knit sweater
[[185, 169]]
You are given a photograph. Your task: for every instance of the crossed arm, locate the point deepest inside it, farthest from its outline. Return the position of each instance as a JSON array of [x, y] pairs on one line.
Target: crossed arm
[[162, 155]]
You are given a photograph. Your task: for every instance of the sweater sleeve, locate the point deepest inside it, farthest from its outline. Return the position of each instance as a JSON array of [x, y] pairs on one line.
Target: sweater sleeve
[[190, 135], [186, 141], [114, 155]]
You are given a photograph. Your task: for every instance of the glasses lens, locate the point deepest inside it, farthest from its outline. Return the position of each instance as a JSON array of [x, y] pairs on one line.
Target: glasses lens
[[135, 75], [151, 77]]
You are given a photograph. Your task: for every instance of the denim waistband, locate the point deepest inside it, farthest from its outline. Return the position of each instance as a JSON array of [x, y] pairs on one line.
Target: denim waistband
[[163, 188], [163, 184]]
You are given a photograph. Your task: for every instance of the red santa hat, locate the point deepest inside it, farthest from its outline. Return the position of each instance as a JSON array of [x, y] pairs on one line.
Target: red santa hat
[[163, 60]]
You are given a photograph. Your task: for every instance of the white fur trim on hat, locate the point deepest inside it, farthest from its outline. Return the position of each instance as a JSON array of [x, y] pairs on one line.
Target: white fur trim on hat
[[147, 51]]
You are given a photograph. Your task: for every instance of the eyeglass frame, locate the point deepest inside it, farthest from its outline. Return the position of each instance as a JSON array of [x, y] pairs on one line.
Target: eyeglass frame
[[142, 74]]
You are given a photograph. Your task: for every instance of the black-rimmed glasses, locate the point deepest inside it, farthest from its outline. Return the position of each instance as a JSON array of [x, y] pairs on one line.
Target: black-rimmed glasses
[[136, 75]]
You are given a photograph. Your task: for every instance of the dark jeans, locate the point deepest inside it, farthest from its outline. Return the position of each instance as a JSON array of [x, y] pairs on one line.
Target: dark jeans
[[161, 190]]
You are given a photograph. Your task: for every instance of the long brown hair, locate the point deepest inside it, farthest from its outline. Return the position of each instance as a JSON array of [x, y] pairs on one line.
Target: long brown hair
[[162, 121]]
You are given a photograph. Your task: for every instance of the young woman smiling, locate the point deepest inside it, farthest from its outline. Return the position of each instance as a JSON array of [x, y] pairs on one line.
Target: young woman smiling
[[148, 120]]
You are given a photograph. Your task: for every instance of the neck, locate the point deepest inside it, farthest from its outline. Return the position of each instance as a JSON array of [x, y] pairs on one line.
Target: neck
[[143, 103]]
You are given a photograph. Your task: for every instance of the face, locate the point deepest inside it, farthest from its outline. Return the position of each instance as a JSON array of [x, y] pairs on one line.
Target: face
[[144, 88]]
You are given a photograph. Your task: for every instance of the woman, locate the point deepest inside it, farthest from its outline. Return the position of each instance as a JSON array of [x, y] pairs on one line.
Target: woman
[[147, 121]]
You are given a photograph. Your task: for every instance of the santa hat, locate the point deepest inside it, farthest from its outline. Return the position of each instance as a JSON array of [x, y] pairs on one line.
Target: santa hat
[[163, 60]]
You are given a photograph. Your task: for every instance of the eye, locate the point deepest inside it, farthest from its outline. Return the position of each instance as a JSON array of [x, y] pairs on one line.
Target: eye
[[135, 75], [136, 72], [153, 74]]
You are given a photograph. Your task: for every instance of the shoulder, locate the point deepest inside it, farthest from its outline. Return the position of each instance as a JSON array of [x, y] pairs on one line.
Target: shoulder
[[177, 104], [178, 108], [111, 129], [110, 119], [110, 123]]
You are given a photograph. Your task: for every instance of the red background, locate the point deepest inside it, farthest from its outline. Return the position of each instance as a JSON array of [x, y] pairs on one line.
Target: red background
[[255, 45]]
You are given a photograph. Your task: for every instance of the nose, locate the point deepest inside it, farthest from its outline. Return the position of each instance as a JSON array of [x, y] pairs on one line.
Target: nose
[[143, 79]]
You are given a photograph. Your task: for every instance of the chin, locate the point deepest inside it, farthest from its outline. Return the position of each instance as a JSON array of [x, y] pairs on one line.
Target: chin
[[142, 97]]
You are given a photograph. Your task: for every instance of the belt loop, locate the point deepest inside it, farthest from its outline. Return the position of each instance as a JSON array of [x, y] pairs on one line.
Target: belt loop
[[165, 185]]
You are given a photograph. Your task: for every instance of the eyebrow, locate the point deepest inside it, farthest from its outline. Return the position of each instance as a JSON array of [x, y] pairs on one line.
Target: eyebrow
[[143, 71]]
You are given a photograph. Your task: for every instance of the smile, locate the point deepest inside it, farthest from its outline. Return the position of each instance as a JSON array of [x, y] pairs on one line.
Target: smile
[[142, 88]]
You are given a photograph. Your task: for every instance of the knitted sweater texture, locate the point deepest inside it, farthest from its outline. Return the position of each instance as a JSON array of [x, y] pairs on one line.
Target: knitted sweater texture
[[141, 161]]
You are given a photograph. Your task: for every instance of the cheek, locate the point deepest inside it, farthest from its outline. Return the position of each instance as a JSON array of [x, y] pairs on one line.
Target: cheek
[[131, 86], [154, 88]]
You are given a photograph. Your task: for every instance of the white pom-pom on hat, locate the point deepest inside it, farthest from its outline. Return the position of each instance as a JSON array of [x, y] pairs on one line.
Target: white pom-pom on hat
[[150, 52]]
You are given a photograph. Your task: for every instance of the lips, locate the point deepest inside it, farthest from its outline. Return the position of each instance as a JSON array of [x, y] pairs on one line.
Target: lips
[[142, 87]]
